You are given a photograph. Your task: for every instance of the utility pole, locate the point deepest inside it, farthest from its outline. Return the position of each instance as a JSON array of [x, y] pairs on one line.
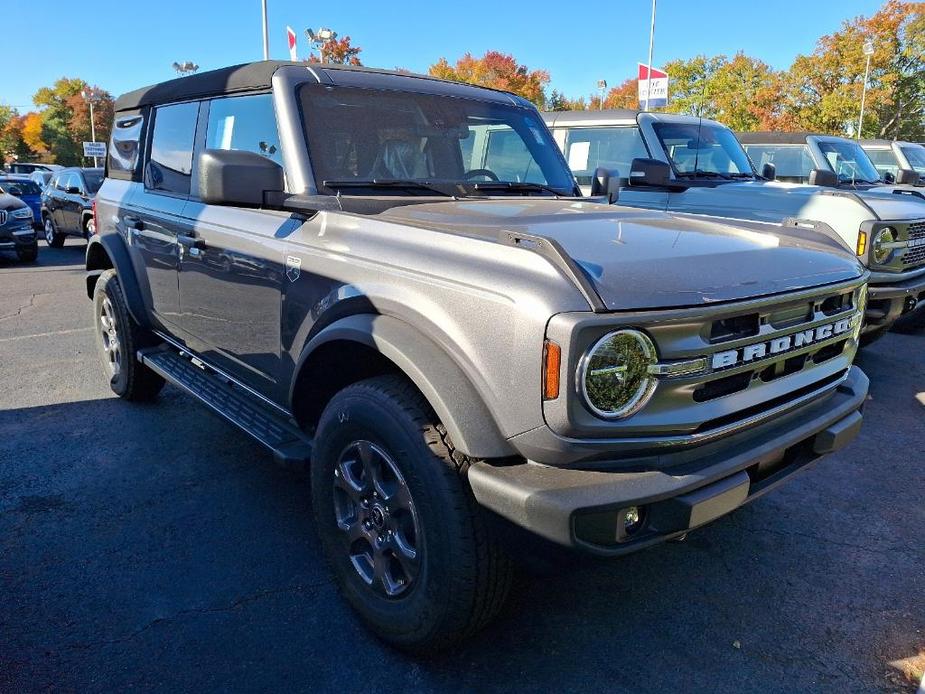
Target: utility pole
[[868, 51], [649, 64], [89, 96], [602, 85], [266, 32], [320, 38]]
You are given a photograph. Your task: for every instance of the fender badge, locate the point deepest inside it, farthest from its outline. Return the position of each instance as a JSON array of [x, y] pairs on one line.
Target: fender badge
[[293, 267]]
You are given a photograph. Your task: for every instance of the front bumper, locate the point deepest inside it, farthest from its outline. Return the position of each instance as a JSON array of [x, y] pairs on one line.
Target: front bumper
[[19, 237], [581, 508], [887, 300]]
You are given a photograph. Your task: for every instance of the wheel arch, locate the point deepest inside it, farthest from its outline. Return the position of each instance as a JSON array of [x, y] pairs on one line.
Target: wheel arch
[[109, 252], [365, 345]]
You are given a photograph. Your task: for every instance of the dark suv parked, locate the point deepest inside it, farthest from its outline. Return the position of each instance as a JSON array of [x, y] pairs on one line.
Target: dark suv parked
[[395, 280], [67, 204]]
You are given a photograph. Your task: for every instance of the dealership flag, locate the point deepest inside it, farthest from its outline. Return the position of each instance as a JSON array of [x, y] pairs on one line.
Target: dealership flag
[[659, 96], [290, 34]]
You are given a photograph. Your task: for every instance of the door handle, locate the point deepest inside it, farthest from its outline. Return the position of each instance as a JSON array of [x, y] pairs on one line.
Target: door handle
[[134, 223], [191, 242]]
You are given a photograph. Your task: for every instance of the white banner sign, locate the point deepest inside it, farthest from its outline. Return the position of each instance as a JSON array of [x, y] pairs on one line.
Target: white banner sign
[[94, 149]]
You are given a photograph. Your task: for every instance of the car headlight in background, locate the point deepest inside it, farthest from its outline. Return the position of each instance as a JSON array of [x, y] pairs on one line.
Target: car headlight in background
[[615, 375], [22, 213], [881, 250]]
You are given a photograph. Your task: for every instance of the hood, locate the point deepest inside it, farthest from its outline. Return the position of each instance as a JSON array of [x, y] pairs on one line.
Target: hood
[[638, 259], [10, 202], [916, 192]]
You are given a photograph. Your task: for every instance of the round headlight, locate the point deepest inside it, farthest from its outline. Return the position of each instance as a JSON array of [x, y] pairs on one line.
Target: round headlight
[[885, 235], [614, 375]]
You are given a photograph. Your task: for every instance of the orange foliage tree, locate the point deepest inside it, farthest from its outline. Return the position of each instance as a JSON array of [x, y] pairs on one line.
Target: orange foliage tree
[[498, 71]]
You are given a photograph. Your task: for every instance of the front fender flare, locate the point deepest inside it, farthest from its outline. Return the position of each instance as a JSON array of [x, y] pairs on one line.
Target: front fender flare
[[455, 400]]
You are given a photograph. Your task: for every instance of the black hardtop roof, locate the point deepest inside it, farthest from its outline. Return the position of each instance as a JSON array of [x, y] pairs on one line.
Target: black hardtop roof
[[258, 75], [598, 115]]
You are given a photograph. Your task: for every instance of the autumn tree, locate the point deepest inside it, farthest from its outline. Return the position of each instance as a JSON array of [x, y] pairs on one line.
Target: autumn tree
[[824, 88], [13, 146], [338, 51], [625, 95], [498, 71]]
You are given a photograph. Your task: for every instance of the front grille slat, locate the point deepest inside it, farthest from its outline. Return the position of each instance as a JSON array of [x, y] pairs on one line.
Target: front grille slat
[[916, 254]]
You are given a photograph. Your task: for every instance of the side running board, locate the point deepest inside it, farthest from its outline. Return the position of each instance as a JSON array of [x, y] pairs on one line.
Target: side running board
[[289, 444]]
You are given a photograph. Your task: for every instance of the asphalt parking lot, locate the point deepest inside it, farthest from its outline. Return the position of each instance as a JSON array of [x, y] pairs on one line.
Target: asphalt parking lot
[[156, 547]]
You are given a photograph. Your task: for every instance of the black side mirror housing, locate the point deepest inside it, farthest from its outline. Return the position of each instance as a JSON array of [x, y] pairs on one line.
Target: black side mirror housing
[[237, 178], [823, 177], [907, 177], [769, 171], [606, 182], [651, 172], [72, 190]]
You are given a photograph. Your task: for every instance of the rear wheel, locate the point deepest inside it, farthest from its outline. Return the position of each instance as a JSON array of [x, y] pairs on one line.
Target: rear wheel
[[118, 339], [89, 228], [52, 237], [408, 545]]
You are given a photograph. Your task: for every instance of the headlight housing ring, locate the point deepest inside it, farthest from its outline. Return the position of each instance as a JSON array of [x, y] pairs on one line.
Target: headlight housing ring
[[615, 376]]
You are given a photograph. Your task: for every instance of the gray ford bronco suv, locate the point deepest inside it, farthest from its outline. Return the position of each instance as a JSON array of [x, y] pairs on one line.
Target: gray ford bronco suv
[[394, 279]]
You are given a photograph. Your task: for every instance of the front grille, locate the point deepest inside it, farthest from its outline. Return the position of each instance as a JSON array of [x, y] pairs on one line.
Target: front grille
[[915, 255], [3, 216]]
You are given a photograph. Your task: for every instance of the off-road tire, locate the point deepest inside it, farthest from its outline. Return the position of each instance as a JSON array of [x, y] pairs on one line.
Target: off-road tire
[[50, 233], [464, 574], [28, 255], [133, 380]]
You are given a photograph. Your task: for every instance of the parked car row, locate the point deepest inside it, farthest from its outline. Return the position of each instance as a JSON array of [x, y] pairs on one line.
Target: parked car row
[[693, 165], [397, 281]]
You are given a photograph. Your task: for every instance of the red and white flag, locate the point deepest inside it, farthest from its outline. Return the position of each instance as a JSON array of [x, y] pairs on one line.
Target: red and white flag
[[290, 34]]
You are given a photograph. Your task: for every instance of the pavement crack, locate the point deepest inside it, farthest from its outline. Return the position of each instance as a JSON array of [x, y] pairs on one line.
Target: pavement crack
[[19, 309]]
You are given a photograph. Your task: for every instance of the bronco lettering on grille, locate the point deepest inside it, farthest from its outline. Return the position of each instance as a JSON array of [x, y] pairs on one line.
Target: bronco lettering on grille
[[784, 343]]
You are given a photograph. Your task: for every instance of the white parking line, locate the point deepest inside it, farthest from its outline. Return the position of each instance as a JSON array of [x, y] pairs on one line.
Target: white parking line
[[35, 335]]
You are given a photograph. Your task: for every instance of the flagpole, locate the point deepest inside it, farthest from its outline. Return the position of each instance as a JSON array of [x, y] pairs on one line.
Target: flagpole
[[649, 64], [266, 33]]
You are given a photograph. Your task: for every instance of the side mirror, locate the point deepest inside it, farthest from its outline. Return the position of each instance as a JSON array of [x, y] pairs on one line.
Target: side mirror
[[606, 182], [651, 172], [14, 190], [769, 171], [823, 177], [907, 176], [241, 179], [72, 190]]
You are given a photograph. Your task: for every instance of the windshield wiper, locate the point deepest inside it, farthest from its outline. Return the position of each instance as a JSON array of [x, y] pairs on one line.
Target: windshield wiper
[[515, 187], [742, 175], [700, 173], [385, 183]]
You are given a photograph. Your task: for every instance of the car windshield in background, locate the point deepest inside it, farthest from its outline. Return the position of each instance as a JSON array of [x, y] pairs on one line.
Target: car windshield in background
[[703, 150], [25, 187], [94, 180], [883, 160], [915, 154], [586, 149], [791, 162], [849, 162], [367, 141]]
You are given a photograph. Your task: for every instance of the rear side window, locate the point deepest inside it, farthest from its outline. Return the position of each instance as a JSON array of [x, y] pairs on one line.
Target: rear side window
[[245, 123], [171, 162], [612, 148], [125, 146]]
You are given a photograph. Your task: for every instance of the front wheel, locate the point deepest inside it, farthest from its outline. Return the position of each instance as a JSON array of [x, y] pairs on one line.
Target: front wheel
[[408, 545], [89, 228], [118, 339]]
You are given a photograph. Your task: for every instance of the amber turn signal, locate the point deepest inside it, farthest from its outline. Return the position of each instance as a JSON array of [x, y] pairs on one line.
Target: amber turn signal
[[551, 358], [862, 243]]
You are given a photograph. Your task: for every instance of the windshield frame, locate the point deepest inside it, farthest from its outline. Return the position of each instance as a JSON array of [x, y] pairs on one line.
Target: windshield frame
[[713, 177], [906, 149], [860, 162], [552, 167]]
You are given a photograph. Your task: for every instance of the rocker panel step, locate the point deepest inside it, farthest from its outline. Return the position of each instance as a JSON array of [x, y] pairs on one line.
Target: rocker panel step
[[287, 442]]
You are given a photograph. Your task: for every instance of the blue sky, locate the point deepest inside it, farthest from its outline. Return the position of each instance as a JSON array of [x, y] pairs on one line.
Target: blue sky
[[121, 46]]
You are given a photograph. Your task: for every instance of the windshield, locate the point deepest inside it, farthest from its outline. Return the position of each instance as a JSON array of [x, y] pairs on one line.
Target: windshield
[[791, 162], [613, 148], [915, 154], [883, 160], [849, 162], [703, 150], [25, 187], [362, 139], [94, 181]]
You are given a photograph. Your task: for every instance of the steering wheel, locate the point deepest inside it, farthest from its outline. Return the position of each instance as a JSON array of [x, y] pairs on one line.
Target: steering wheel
[[487, 173]]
